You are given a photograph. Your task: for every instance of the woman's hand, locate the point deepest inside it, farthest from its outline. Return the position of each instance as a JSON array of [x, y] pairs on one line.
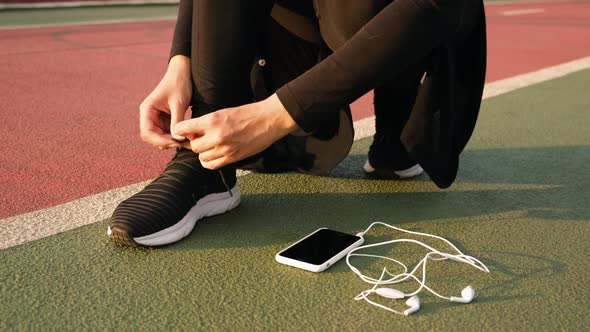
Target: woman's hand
[[167, 104], [232, 134]]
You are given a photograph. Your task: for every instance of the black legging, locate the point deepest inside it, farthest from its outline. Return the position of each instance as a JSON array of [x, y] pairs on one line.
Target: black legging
[[224, 38]]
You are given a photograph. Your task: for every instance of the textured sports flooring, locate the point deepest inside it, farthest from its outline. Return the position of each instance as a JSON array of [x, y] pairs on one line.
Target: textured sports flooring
[[520, 202]]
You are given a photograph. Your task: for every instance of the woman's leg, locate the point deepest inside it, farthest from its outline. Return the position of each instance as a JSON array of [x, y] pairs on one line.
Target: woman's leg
[[393, 100], [225, 37]]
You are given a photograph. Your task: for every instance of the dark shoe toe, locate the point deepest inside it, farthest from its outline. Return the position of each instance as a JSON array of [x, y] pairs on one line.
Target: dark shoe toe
[[120, 228]]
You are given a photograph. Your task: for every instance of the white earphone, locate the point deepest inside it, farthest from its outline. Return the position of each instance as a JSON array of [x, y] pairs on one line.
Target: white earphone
[[414, 303], [467, 294]]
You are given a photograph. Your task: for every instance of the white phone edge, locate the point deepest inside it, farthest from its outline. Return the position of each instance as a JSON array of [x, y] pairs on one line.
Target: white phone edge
[[312, 267]]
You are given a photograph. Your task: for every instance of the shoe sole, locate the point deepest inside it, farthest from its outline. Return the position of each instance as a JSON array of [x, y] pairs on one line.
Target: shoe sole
[[403, 174], [210, 205]]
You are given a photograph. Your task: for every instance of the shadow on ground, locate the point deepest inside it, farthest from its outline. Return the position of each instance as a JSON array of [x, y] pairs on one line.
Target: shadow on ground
[[541, 183]]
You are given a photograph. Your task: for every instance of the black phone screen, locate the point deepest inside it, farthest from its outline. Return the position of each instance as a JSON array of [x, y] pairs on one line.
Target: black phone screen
[[320, 246]]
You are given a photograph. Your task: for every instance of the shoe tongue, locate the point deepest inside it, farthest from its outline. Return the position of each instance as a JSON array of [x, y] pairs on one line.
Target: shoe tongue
[[183, 154], [185, 163]]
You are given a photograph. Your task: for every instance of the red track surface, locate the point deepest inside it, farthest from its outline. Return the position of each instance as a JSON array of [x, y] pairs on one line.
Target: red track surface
[[68, 127]]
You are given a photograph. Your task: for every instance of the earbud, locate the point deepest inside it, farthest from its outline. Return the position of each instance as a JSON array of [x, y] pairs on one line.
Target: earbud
[[414, 303], [467, 295]]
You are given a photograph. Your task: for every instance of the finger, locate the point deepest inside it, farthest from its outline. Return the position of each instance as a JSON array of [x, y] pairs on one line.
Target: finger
[[212, 154], [216, 164], [158, 140], [188, 128], [202, 144], [154, 135], [153, 123], [177, 111]]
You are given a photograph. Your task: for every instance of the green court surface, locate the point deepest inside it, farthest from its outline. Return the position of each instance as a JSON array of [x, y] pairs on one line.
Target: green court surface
[[48, 16], [520, 204]]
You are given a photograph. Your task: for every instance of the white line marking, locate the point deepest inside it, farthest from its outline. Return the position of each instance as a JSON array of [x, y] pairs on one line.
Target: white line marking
[[364, 128], [520, 12], [88, 210], [70, 4], [83, 23], [520, 81]]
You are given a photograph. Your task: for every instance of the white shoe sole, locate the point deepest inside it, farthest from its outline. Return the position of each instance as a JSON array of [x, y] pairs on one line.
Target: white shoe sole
[[210, 205], [403, 174]]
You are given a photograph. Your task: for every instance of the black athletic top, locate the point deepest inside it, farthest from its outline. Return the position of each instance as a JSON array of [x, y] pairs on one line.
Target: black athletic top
[[450, 32]]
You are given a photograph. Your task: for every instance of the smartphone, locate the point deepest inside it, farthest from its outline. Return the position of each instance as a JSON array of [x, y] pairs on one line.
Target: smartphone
[[319, 250]]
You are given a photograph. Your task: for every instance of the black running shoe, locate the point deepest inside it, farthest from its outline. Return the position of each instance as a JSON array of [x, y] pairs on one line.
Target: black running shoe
[[389, 160], [167, 209]]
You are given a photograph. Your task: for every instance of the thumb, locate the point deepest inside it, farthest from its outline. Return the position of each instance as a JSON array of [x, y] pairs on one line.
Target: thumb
[[188, 128], [177, 111]]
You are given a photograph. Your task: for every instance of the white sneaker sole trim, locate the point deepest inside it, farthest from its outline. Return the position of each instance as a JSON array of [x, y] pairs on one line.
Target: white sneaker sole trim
[[410, 172], [368, 168], [210, 205], [403, 174]]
